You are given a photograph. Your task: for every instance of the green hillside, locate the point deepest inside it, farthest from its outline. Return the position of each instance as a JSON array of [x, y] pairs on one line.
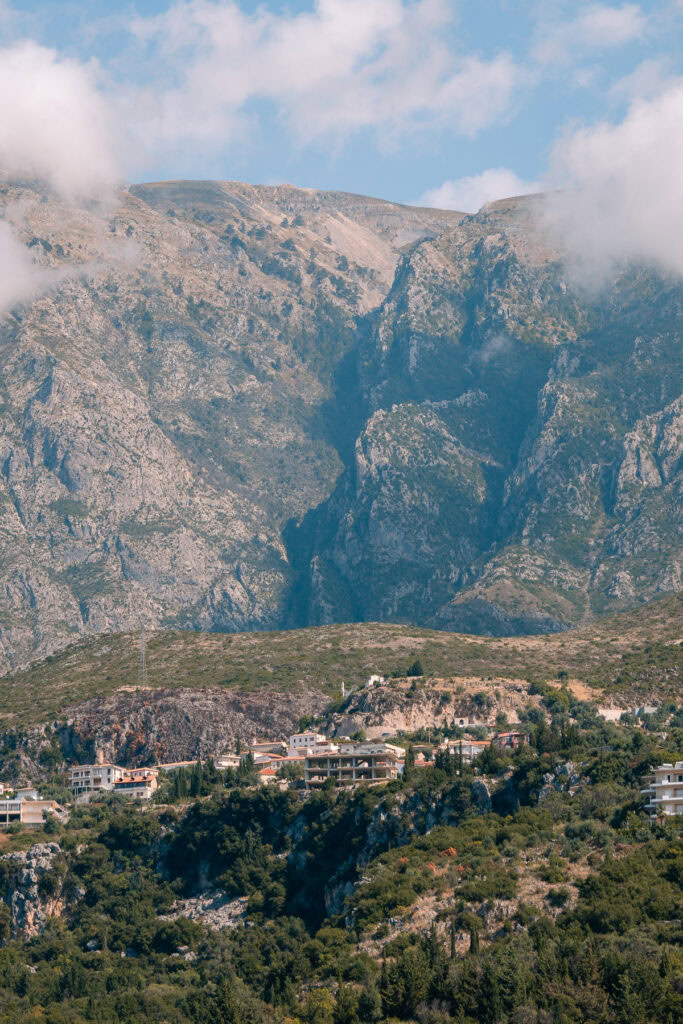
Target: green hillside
[[627, 653]]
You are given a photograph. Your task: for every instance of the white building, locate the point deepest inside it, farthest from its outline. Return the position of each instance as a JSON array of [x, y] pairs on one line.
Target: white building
[[302, 742], [664, 790], [86, 779], [374, 680], [26, 793], [470, 749], [224, 761], [93, 778], [138, 784]]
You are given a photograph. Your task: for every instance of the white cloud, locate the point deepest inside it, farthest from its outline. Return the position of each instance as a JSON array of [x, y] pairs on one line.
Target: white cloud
[[344, 66], [17, 272], [469, 194], [650, 78], [622, 184], [53, 121], [21, 278], [596, 27]]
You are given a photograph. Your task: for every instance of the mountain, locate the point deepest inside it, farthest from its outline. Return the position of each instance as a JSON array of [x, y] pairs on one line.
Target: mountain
[[229, 407]]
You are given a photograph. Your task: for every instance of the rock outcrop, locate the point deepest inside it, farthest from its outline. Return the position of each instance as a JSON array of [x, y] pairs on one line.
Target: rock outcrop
[[140, 727], [35, 889]]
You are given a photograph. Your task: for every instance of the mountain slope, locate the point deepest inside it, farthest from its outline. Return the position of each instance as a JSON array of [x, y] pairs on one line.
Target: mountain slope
[[168, 401], [229, 407], [520, 466]]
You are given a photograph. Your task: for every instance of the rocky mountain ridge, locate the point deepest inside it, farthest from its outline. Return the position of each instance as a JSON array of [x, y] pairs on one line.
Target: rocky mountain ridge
[[230, 407]]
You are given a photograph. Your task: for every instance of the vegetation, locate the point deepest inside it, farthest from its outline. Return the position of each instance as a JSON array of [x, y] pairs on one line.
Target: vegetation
[[630, 654], [447, 896]]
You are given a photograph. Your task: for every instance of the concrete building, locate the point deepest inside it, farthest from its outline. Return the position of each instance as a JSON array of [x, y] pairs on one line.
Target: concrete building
[[28, 812], [138, 784], [94, 778], [664, 790], [471, 749], [301, 742], [353, 763], [267, 777], [224, 761], [267, 747]]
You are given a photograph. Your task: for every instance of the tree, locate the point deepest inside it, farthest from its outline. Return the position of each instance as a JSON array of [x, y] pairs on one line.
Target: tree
[[319, 1007], [415, 669], [346, 1006], [196, 780]]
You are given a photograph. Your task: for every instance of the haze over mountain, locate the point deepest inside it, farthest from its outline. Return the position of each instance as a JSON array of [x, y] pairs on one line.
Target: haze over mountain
[[232, 407]]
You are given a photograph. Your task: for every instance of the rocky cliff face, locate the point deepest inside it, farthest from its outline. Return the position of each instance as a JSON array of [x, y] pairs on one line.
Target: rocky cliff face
[[35, 889], [229, 407], [167, 404], [519, 469], [142, 727]]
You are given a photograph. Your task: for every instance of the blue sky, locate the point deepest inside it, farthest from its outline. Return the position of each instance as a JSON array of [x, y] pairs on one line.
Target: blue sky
[[392, 98]]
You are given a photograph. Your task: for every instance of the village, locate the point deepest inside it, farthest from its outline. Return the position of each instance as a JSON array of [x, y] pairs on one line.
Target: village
[[306, 761]]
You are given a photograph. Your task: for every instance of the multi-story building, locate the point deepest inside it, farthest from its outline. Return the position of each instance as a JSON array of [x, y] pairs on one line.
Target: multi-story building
[[86, 779], [353, 763], [224, 761], [470, 749], [94, 778], [28, 812], [140, 784], [301, 742], [664, 790]]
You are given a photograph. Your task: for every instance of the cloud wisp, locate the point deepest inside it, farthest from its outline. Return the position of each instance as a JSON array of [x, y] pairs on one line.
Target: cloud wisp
[[618, 189], [470, 193], [595, 27]]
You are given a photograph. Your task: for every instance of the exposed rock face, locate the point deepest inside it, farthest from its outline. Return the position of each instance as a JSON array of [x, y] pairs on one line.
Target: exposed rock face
[[215, 909], [520, 466], [36, 890], [156, 726], [168, 405], [231, 407]]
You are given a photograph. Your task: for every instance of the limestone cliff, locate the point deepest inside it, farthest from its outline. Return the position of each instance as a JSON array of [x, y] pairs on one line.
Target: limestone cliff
[[228, 407]]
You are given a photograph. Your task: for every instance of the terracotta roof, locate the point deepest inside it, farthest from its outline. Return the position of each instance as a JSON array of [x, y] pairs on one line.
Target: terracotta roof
[[267, 771]]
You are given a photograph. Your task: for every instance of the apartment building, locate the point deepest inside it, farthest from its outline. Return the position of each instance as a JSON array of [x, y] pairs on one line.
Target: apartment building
[[86, 779], [301, 742], [94, 778], [28, 812], [470, 749], [138, 784], [353, 763], [224, 761], [664, 790]]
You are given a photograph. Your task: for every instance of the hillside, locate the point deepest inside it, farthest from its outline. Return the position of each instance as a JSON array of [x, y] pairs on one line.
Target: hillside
[[231, 408], [530, 888], [627, 654]]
